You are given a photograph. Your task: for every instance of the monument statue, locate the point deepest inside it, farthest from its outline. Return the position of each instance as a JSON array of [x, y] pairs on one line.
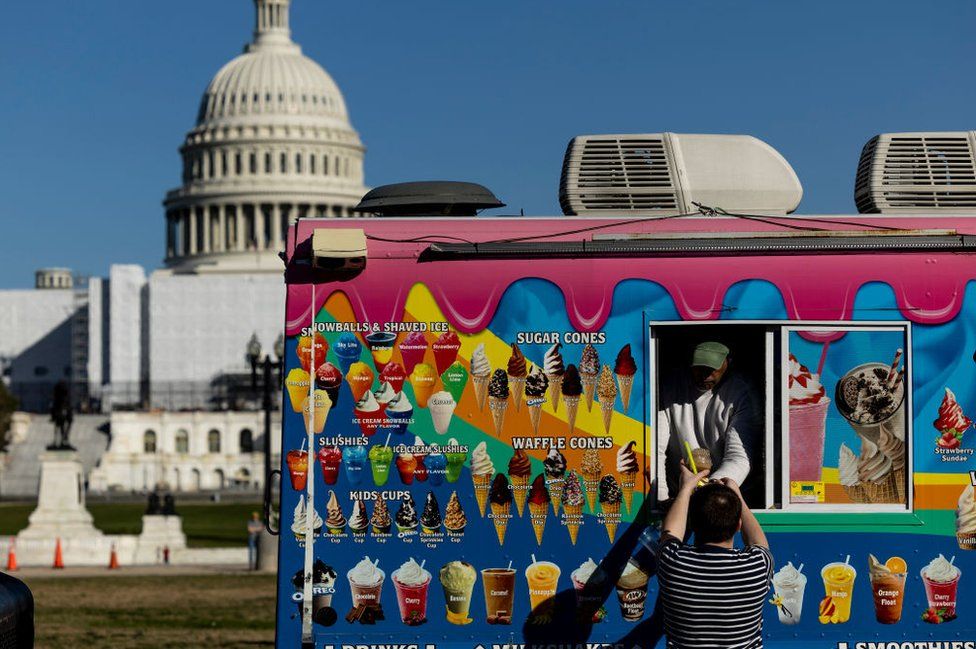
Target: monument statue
[[62, 416], [169, 505], [153, 508]]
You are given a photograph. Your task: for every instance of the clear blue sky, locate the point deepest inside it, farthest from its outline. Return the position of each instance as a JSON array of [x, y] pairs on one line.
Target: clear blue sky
[[97, 95]]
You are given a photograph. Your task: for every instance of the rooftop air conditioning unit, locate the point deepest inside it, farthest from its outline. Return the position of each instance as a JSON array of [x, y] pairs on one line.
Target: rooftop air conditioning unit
[[916, 173], [665, 173]]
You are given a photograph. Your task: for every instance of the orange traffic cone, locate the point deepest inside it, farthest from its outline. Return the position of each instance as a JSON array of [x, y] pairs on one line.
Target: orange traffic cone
[[11, 556], [58, 559], [113, 560]]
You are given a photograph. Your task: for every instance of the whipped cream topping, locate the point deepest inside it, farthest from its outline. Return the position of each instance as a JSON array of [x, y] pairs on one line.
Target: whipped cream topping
[[366, 573], [939, 569], [804, 385]]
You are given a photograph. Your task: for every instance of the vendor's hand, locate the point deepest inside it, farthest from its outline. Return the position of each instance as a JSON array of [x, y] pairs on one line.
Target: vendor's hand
[[733, 485], [690, 480]]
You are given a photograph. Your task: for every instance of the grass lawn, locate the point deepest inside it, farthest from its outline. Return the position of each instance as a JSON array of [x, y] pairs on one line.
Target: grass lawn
[[205, 524], [216, 610]]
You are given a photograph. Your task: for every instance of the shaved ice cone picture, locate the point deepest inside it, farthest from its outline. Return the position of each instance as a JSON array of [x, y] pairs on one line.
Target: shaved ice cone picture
[[413, 348], [589, 370], [454, 379], [381, 347], [423, 380], [305, 351], [360, 379], [517, 373], [624, 369], [498, 399], [606, 390], [445, 351], [441, 406], [572, 388], [554, 369], [347, 350], [316, 412], [500, 498], [297, 385], [394, 375]]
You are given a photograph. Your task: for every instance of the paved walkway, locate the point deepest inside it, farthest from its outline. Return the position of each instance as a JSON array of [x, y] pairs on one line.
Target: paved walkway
[[26, 574]]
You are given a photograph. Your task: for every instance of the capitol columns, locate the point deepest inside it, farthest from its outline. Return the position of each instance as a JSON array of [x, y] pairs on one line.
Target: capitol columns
[[239, 226], [276, 226]]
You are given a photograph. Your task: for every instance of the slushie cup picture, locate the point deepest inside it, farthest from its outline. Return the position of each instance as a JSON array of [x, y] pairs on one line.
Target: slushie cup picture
[[941, 580], [888, 587], [457, 578], [411, 582], [330, 457], [499, 585], [789, 584], [380, 458], [838, 580], [542, 577], [297, 460]]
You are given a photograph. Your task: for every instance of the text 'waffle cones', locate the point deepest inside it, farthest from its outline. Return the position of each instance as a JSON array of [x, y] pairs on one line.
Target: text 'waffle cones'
[[498, 408], [625, 383], [481, 389], [555, 390], [500, 514], [627, 482], [482, 483], [520, 491], [573, 515], [611, 518], [538, 512], [516, 385]]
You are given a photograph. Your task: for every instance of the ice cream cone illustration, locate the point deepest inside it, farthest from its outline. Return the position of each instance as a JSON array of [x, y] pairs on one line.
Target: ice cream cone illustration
[[572, 505], [610, 497], [519, 470], [624, 369], [555, 471], [572, 388], [445, 351], [627, 469], [966, 519], [498, 399], [423, 379], [539, 506], [591, 469], [606, 390], [501, 505], [535, 394], [482, 469], [554, 369], [480, 374], [517, 373], [589, 370]]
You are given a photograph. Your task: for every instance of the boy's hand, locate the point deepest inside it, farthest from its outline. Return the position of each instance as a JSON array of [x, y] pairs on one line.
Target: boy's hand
[[733, 485], [690, 480]]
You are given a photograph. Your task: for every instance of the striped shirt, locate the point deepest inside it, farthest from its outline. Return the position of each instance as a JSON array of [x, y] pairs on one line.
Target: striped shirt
[[713, 597]]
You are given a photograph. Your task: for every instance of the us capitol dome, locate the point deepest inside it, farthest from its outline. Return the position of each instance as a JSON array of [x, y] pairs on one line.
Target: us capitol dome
[[272, 143]]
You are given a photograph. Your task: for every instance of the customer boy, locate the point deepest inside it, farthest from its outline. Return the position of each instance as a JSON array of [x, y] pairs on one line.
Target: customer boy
[[712, 594]]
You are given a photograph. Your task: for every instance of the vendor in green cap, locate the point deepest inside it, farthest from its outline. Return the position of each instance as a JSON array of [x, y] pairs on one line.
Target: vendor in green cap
[[711, 407]]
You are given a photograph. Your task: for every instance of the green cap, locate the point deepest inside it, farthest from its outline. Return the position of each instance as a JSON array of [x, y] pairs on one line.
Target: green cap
[[710, 354]]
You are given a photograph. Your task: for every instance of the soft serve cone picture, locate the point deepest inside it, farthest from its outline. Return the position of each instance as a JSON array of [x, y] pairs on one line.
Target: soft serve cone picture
[[610, 497], [482, 471], [589, 370], [536, 386], [966, 519], [572, 388], [498, 399], [624, 369], [517, 373], [519, 470], [606, 391], [480, 374], [572, 505], [553, 367], [554, 468], [627, 468]]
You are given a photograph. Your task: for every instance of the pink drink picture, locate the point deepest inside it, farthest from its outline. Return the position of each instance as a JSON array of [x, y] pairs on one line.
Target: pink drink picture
[[808, 417]]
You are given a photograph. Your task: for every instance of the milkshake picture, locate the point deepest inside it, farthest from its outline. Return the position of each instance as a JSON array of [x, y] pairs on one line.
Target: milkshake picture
[[838, 581], [941, 580], [499, 585], [411, 582], [872, 396], [808, 417], [888, 588], [632, 591], [542, 577], [588, 583], [323, 588], [457, 578], [366, 583], [789, 584]]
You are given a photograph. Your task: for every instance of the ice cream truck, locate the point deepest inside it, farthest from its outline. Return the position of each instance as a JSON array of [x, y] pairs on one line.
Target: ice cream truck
[[479, 431]]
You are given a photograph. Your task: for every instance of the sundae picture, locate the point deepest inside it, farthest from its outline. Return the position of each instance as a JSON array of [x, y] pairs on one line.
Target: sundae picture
[[966, 519], [553, 366], [411, 582], [517, 373], [951, 423], [480, 374], [606, 391], [457, 579], [482, 470], [789, 584], [454, 379], [501, 505], [380, 521], [625, 368], [589, 370], [347, 350], [808, 417], [445, 350], [406, 516], [329, 378], [536, 386], [335, 522], [358, 520], [413, 348], [572, 505], [554, 466], [610, 497], [539, 506], [941, 581], [591, 470], [423, 379], [394, 375], [456, 457], [627, 468], [441, 405], [519, 471], [304, 517], [498, 399], [454, 518], [430, 519], [572, 388]]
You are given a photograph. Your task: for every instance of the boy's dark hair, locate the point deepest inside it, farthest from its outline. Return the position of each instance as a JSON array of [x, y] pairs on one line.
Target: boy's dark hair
[[714, 513]]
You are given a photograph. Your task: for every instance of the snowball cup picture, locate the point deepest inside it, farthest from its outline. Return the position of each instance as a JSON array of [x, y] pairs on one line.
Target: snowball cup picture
[[517, 406]]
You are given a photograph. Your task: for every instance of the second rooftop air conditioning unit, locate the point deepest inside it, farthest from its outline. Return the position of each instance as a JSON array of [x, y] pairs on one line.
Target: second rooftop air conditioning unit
[[917, 173], [665, 173]]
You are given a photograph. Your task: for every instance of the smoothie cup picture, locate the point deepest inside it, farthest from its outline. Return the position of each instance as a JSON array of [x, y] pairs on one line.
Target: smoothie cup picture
[[499, 585], [941, 580], [789, 584], [808, 417], [838, 581], [411, 582], [888, 588], [457, 578], [542, 577], [297, 460]]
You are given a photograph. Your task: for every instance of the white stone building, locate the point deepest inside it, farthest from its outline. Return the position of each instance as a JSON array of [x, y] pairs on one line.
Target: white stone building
[[272, 143]]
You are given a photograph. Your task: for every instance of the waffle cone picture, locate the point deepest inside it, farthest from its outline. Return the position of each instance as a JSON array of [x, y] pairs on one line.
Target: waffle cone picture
[[966, 540], [556, 497], [573, 514], [520, 493], [538, 513], [589, 389], [481, 485], [882, 491], [591, 483], [625, 383], [535, 415], [481, 389], [607, 410], [498, 407], [611, 518], [516, 386], [856, 493], [555, 390], [572, 404], [627, 482], [900, 485], [501, 519]]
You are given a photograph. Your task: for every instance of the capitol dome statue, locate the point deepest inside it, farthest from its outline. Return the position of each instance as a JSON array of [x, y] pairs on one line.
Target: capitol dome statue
[[272, 144]]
